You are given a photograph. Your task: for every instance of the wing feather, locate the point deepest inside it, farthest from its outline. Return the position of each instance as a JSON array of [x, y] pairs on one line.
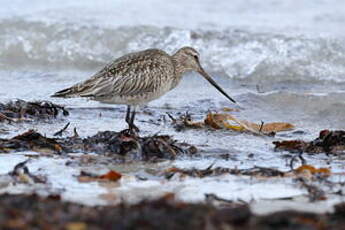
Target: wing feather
[[130, 75], [142, 74]]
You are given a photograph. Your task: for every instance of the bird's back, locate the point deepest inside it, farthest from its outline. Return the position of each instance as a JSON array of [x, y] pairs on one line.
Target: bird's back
[[137, 76]]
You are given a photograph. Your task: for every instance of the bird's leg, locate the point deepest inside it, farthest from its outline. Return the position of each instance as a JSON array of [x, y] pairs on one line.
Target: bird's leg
[[130, 120], [128, 114], [132, 126]]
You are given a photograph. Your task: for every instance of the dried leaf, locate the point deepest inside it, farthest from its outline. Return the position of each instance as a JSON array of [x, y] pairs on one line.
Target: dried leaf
[[111, 175], [214, 121], [90, 177], [173, 170], [274, 127], [219, 121], [311, 169]]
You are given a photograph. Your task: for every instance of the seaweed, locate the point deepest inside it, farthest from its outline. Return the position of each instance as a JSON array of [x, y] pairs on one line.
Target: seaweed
[[209, 171], [329, 142], [26, 212], [30, 140], [108, 143], [19, 110]]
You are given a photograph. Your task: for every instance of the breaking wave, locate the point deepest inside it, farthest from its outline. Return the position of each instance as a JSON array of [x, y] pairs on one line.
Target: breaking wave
[[239, 54]]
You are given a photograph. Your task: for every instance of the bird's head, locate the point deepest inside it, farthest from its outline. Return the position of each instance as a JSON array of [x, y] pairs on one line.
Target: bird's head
[[187, 59]]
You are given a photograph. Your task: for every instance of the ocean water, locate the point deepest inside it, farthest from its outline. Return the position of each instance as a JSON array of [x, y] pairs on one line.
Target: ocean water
[[281, 60]]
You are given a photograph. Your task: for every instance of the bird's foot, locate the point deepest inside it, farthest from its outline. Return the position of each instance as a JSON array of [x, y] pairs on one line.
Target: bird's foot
[[132, 130], [127, 133]]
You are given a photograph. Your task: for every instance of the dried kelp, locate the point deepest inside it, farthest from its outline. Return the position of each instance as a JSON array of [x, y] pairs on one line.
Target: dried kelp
[[107, 143], [130, 146], [30, 140], [330, 142], [21, 212], [303, 173], [19, 110], [210, 171]]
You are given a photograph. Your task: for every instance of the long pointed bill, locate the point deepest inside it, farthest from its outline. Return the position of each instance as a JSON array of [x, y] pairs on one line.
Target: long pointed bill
[[209, 79]]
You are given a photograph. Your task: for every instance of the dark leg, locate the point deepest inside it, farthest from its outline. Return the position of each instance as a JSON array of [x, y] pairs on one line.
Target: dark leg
[[128, 114], [132, 126]]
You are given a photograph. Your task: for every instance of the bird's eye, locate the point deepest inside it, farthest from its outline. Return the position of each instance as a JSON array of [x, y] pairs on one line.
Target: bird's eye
[[196, 56]]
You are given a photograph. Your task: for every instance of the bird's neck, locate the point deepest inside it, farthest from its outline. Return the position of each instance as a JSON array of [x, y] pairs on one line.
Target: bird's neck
[[178, 64], [179, 70]]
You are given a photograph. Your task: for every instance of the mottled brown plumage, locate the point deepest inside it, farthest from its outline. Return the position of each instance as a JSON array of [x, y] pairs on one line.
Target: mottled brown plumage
[[138, 78]]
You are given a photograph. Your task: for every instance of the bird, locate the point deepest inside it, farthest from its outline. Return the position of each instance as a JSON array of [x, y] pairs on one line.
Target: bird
[[137, 78]]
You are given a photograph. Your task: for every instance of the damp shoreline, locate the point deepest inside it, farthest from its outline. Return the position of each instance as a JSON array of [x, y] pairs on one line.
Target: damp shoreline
[[150, 178]]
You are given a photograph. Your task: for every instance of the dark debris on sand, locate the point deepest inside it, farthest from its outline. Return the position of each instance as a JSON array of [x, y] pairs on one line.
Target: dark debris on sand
[[22, 174], [329, 142], [22, 110], [24, 212], [30, 140], [118, 144], [209, 171]]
